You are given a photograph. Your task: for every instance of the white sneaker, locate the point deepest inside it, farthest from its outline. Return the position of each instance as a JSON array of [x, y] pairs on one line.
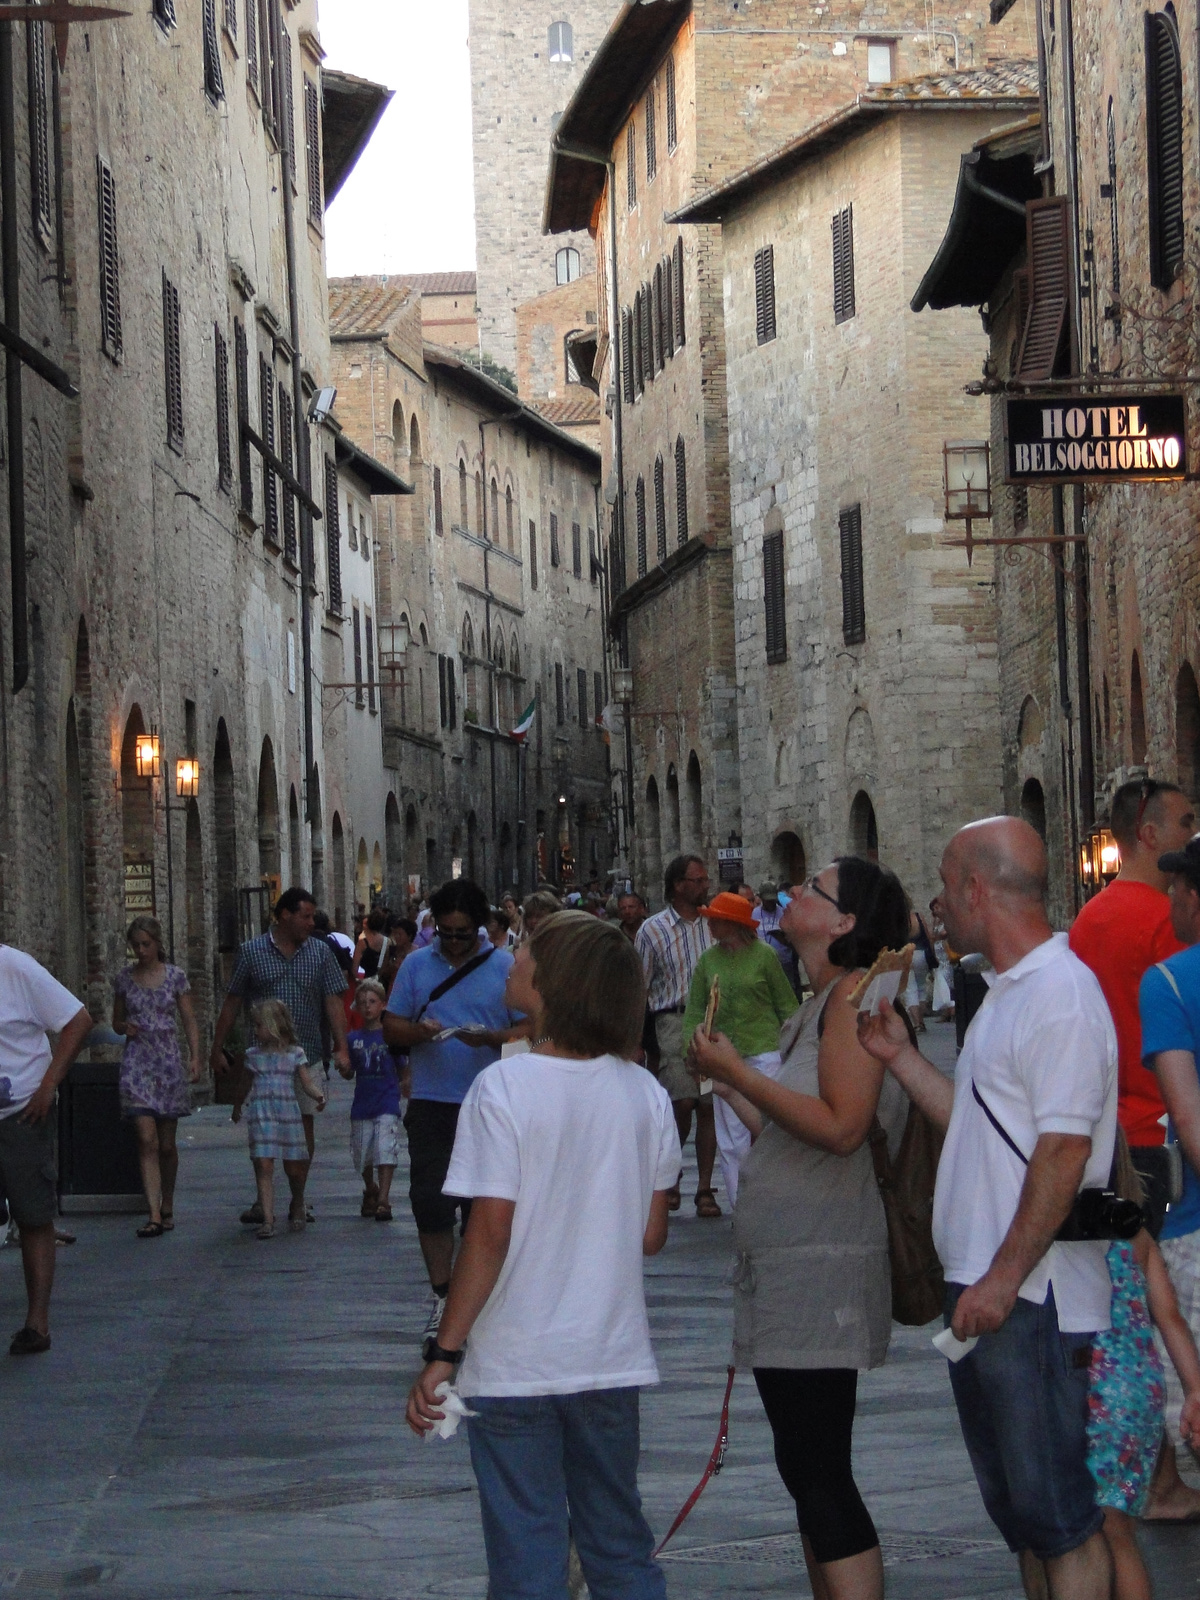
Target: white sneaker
[[434, 1322]]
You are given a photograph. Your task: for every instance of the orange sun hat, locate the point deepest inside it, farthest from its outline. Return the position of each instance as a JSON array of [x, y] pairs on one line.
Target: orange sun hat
[[727, 907]]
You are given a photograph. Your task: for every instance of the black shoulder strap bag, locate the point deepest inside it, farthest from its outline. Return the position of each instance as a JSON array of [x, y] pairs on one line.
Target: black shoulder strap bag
[[455, 978]]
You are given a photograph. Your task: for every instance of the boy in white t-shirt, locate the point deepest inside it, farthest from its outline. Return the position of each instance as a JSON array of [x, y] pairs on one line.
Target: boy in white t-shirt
[[568, 1153]]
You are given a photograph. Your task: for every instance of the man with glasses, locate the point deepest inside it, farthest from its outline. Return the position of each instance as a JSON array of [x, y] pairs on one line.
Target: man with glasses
[[455, 987], [670, 943]]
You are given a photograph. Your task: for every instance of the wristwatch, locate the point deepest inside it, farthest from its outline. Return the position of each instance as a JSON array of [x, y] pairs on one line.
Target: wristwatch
[[434, 1352]]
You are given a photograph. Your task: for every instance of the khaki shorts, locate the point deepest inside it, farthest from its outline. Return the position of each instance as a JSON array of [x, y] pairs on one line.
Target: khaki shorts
[[28, 1171], [672, 1073]]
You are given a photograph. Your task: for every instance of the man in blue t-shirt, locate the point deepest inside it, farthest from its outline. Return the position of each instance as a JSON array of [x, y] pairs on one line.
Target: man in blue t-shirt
[[1169, 1001], [447, 1010]]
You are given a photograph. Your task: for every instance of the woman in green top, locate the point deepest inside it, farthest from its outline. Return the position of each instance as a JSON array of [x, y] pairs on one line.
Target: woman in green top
[[756, 1000]]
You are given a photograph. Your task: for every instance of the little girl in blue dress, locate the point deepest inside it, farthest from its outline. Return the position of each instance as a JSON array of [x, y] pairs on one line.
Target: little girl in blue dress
[[1127, 1390]]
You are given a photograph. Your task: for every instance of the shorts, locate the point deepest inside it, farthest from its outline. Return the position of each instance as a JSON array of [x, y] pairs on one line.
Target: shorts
[[431, 1126], [375, 1142], [28, 1170], [672, 1074], [1022, 1397], [1182, 1256], [304, 1100]]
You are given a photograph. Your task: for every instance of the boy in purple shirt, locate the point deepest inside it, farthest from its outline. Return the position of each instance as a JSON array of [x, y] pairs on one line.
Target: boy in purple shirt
[[375, 1113]]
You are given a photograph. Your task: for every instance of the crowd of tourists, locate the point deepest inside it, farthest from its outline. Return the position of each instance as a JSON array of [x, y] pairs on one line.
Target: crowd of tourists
[[543, 1063]]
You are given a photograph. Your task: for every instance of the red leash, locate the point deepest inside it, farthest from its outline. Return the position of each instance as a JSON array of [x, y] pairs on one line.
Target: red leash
[[715, 1462]]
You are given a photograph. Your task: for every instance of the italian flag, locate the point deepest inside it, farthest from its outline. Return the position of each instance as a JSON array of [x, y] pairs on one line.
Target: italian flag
[[524, 723]]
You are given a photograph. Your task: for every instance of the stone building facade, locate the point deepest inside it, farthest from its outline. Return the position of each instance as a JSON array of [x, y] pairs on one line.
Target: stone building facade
[[1100, 638], [526, 61], [866, 649], [161, 557], [490, 585], [449, 315], [556, 354]]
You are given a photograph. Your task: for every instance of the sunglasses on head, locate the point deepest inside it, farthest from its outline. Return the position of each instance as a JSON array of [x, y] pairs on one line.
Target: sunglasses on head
[[1149, 789]]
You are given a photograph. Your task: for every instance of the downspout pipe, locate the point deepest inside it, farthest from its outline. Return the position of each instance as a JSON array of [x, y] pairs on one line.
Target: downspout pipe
[[285, 133], [10, 270]]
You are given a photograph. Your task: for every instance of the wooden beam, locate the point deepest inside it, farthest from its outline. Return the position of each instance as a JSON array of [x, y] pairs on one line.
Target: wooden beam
[[34, 359]]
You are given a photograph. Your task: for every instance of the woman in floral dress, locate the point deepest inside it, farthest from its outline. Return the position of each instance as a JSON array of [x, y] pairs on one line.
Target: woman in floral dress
[[154, 1084]]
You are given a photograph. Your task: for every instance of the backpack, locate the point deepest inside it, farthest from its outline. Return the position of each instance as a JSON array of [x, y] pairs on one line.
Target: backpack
[[906, 1188]]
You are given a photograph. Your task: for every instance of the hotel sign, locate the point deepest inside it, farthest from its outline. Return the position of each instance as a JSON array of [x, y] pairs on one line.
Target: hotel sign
[[1095, 438]]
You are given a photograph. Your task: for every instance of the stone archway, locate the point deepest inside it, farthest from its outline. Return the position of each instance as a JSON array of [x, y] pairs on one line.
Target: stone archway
[[270, 865], [788, 861], [1033, 805], [864, 831], [1187, 730], [225, 824], [137, 825]]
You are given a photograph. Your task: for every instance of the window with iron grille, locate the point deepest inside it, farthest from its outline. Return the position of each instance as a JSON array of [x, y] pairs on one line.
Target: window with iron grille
[[224, 450], [843, 264], [312, 149], [677, 256], [639, 501], [172, 364], [672, 127], [576, 550], [333, 537], [164, 13], [627, 356], [252, 44], [631, 165], [358, 659], [229, 16], [660, 510], [560, 695], [287, 425], [764, 293], [1164, 146], [533, 556], [773, 595], [110, 261], [266, 424], [681, 509], [438, 522], [598, 694], [214, 81], [41, 183], [581, 695], [854, 610], [651, 137], [369, 630], [241, 390], [553, 540]]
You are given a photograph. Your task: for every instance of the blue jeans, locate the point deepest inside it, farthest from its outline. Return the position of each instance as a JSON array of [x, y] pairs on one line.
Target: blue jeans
[[559, 1464], [1022, 1403]]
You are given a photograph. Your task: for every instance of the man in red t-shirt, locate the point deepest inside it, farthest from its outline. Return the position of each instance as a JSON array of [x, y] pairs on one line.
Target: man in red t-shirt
[[1121, 932]]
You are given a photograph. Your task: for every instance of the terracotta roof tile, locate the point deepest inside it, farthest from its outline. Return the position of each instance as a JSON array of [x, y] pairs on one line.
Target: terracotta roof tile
[[999, 80], [366, 305], [439, 282], [571, 409]]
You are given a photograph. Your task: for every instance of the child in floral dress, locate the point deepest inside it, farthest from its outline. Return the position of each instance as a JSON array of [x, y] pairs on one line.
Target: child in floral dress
[[1127, 1390], [273, 1114]]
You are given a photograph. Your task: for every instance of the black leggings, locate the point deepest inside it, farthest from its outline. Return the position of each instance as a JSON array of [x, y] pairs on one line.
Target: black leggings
[[811, 1412]]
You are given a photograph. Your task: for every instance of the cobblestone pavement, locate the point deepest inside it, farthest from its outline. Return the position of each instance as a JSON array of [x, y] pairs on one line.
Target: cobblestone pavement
[[223, 1417]]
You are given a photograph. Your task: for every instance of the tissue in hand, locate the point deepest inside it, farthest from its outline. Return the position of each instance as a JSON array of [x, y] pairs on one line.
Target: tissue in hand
[[953, 1349], [454, 1408]]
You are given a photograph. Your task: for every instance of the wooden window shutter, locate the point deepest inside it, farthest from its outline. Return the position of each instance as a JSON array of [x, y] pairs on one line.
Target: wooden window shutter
[[764, 293], [679, 322], [1048, 264], [843, 265], [438, 514], [647, 335], [266, 415], [230, 18], [668, 307], [164, 12], [358, 659], [41, 186], [631, 165], [560, 695], [287, 110], [214, 81], [369, 630], [639, 370], [287, 427], [224, 449], [110, 261], [651, 137], [533, 555], [553, 539], [854, 611], [672, 127], [241, 382], [627, 356], [252, 43], [598, 694], [660, 510], [773, 594], [576, 550], [1164, 147], [639, 500], [659, 338], [312, 148], [681, 506], [172, 364], [581, 695], [333, 536], [442, 708]]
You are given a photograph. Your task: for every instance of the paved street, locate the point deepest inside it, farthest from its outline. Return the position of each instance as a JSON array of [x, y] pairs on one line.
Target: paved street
[[220, 1416]]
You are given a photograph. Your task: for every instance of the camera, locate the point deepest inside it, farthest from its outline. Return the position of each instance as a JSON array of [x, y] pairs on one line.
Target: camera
[[1100, 1214]]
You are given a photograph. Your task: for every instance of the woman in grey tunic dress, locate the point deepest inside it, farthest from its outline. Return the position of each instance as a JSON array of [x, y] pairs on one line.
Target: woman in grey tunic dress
[[812, 1294]]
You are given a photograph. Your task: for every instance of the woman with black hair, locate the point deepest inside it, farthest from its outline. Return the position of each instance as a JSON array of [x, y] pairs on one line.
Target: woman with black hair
[[812, 1289]]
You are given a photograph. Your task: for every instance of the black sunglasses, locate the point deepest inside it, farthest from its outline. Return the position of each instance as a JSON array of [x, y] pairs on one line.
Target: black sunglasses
[[456, 933]]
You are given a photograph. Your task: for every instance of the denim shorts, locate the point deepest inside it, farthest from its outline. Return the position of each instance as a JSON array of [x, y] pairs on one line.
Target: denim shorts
[[1022, 1403]]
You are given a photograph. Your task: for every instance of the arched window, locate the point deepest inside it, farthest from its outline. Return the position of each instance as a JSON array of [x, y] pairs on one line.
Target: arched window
[[462, 495], [470, 685], [514, 657], [508, 517], [414, 442], [399, 437], [468, 638], [660, 510], [479, 517], [681, 509], [561, 42], [566, 265], [493, 531]]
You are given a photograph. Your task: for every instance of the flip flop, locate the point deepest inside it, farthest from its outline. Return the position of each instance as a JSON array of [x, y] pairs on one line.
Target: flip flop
[[152, 1230], [168, 1221], [383, 1214], [706, 1204], [674, 1198], [267, 1231]]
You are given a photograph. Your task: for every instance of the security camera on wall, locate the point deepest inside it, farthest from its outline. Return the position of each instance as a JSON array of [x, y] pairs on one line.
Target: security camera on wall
[[321, 407]]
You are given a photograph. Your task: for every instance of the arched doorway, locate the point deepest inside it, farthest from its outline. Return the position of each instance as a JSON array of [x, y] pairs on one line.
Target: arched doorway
[[864, 834], [317, 844], [296, 873], [1033, 805], [75, 951], [362, 880], [653, 852], [137, 824], [788, 863], [1187, 730], [693, 810], [337, 887], [225, 833], [270, 869], [376, 873], [671, 837], [1137, 714], [397, 858]]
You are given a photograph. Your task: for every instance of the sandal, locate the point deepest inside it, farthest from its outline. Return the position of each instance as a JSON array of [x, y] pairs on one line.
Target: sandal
[[151, 1230], [706, 1204], [674, 1198], [383, 1214], [297, 1224], [168, 1221], [267, 1231], [29, 1342], [370, 1203]]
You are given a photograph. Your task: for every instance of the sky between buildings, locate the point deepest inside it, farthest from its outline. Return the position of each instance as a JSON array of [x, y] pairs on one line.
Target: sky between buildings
[[408, 206]]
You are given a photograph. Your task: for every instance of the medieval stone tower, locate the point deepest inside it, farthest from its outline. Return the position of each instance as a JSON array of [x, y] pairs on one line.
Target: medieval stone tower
[[527, 56]]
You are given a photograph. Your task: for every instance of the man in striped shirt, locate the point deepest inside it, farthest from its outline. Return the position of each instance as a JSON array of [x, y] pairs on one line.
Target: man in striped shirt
[[670, 943]]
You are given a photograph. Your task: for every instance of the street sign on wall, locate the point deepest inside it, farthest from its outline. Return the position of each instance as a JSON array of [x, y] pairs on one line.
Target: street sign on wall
[[1095, 438]]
